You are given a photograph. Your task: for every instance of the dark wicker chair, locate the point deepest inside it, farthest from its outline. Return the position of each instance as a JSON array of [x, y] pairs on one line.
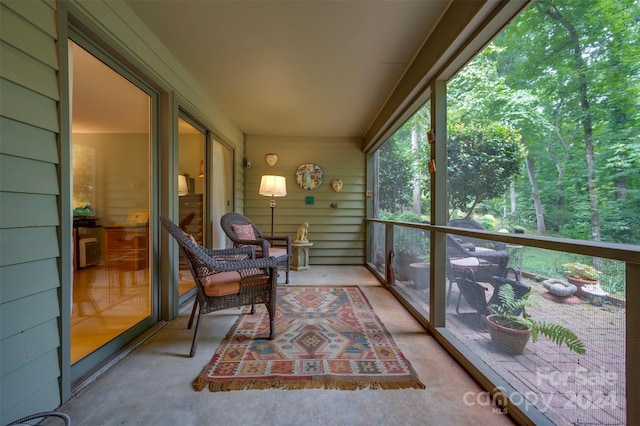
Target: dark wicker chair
[[474, 293], [493, 257], [226, 278], [277, 246], [472, 224]]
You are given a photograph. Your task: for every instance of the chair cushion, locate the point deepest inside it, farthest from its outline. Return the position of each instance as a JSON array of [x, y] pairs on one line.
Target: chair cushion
[[277, 252], [244, 232], [273, 251], [221, 284]]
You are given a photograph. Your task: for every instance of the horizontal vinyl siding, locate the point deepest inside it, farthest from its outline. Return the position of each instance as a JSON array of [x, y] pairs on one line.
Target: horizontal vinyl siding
[[337, 234], [29, 246]]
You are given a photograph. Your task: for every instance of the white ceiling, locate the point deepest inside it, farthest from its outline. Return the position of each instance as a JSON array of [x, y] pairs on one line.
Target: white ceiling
[[295, 68]]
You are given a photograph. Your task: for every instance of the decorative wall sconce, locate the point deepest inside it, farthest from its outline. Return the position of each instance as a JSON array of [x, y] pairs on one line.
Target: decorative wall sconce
[[201, 174], [271, 159], [336, 185]]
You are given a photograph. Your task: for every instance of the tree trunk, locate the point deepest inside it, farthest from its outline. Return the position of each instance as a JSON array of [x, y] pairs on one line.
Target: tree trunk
[[417, 199], [512, 196], [537, 203], [587, 125]]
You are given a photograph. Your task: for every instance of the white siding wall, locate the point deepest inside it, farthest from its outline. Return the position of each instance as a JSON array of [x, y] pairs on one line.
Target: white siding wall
[[29, 278]]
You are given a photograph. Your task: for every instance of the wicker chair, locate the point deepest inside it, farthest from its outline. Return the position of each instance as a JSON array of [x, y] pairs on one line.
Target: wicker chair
[[226, 278], [492, 256], [472, 224], [242, 232]]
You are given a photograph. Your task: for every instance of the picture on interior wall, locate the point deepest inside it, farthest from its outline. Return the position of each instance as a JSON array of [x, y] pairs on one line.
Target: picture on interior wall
[[309, 176]]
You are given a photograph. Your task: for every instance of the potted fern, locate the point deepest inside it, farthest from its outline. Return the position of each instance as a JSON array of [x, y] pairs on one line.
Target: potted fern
[[511, 331]]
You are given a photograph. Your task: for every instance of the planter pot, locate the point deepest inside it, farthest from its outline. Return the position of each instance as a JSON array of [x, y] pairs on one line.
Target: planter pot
[[510, 340], [402, 261], [579, 283], [596, 299], [420, 275], [595, 294]]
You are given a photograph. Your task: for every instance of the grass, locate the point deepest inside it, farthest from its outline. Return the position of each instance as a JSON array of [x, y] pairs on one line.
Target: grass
[[547, 264]]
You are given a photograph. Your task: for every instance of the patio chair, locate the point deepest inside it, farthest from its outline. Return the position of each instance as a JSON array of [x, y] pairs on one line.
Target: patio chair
[[519, 288], [478, 242], [242, 232], [493, 257], [474, 295], [226, 278]]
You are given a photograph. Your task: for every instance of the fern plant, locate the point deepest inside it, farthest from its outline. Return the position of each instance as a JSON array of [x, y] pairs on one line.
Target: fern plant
[[555, 332]]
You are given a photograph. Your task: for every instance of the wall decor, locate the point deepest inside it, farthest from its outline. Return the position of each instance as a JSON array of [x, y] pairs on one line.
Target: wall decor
[[336, 185], [309, 176], [271, 159]]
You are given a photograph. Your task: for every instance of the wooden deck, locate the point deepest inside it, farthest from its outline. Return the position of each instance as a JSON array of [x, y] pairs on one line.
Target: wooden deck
[[569, 388]]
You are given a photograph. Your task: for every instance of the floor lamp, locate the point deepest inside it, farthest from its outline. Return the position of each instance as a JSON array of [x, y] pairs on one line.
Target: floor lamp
[[273, 186]]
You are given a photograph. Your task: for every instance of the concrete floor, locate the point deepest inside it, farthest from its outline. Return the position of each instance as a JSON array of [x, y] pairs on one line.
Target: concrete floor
[[153, 384]]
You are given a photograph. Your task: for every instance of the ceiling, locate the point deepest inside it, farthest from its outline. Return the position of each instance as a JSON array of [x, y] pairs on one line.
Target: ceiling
[[294, 68]]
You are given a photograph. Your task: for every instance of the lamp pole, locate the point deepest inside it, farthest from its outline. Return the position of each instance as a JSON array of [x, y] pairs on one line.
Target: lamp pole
[[272, 204], [274, 186]]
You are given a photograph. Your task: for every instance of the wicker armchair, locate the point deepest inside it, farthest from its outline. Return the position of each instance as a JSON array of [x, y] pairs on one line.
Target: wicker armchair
[[226, 278], [472, 224], [242, 232], [492, 256]]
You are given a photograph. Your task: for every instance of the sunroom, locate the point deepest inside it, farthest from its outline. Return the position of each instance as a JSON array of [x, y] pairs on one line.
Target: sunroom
[[517, 117]]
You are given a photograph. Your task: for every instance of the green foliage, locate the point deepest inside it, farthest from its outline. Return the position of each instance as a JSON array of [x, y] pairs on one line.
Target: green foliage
[[530, 80], [580, 270], [481, 162], [394, 179], [414, 242], [405, 216], [555, 332]]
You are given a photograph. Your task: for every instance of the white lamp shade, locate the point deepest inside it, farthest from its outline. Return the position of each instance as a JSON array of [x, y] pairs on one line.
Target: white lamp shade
[[183, 189], [273, 186]]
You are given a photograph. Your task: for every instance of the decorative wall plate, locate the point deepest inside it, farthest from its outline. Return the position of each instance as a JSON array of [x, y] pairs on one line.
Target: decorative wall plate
[[309, 176]]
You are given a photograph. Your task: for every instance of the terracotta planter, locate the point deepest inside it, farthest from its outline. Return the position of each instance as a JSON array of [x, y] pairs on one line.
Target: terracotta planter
[[579, 282], [509, 339]]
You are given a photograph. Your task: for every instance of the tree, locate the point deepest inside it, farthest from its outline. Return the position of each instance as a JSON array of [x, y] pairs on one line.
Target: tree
[[481, 162], [394, 175]]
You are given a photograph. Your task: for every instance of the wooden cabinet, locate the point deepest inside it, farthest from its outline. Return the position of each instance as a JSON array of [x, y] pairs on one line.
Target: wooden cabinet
[[192, 203], [127, 247]]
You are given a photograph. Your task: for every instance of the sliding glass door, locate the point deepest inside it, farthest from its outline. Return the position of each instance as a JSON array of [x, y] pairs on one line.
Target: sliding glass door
[[112, 187], [191, 191]]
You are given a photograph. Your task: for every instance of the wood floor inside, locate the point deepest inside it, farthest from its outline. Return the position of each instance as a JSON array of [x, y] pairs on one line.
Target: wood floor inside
[[107, 302]]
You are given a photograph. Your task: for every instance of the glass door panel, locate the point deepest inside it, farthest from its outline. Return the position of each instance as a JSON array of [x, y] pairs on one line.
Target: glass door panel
[[221, 190], [191, 185], [111, 187]]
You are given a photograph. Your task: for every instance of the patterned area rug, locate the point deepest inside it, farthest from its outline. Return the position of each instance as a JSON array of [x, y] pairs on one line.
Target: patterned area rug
[[326, 337]]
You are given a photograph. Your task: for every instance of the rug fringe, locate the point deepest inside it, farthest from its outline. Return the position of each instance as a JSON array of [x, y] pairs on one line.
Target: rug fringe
[[327, 383]]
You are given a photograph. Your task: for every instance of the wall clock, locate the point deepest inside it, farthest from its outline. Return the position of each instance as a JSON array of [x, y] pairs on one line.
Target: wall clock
[[309, 176]]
